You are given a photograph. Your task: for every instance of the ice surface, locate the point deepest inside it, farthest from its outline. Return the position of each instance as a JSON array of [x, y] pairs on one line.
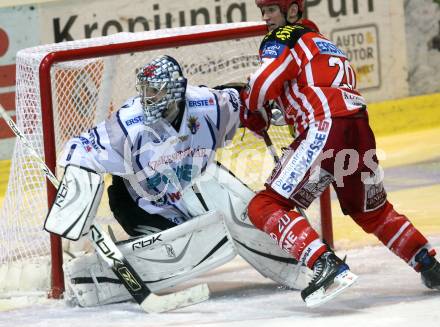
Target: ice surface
[[388, 293]]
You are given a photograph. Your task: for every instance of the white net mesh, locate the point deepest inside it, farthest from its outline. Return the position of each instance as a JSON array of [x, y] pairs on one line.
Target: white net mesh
[[85, 92]]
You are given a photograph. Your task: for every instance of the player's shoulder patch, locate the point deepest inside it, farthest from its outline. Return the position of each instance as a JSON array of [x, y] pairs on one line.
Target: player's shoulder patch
[[277, 40], [271, 49], [327, 47], [288, 34]]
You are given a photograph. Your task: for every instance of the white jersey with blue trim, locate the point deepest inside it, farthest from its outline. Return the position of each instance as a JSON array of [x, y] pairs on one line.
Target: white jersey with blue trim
[[156, 161]]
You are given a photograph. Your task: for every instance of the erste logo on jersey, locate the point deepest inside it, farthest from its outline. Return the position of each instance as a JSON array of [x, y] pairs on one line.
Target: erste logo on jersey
[[201, 103], [86, 143], [272, 49], [135, 120], [328, 48]]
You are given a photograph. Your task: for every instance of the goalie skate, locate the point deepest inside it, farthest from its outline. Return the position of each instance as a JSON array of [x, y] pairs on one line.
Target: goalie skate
[[331, 277]]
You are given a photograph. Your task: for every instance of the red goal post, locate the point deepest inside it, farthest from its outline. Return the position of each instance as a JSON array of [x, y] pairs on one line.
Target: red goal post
[[73, 78]]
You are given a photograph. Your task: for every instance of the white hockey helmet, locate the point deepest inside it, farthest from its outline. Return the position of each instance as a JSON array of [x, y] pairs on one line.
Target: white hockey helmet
[[161, 87]]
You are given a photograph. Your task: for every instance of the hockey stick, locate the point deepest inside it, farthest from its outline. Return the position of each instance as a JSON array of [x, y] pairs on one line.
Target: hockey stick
[[270, 146], [110, 253]]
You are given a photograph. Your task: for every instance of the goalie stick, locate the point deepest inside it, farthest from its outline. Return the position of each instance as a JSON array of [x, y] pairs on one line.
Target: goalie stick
[[110, 253]]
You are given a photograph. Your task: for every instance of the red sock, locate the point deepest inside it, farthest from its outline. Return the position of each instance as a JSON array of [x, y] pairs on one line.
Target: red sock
[[396, 232]]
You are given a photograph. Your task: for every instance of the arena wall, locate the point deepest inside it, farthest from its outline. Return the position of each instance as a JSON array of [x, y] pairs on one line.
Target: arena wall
[[393, 45]]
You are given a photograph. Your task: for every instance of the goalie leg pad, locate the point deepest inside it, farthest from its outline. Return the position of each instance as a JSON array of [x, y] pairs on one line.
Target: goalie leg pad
[[163, 260], [76, 203], [263, 253], [223, 192]]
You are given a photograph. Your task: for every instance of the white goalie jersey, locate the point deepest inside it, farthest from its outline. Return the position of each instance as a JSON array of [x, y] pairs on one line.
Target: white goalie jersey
[[156, 161]]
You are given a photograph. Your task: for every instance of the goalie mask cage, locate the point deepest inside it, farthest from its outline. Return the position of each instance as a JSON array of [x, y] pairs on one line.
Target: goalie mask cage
[[66, 88]]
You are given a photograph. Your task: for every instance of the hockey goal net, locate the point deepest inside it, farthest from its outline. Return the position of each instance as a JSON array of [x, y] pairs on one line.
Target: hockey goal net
[[66, 88]]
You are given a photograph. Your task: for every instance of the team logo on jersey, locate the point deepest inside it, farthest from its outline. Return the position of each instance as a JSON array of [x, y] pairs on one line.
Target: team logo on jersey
[[272, 49], [328, 48], [193, 124]]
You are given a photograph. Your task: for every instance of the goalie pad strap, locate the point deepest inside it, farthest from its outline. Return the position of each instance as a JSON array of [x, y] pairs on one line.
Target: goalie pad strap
[[76, 202]]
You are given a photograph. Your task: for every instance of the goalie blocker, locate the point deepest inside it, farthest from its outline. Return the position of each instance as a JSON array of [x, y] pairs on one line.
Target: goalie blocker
[[220, 231], [76, 203]]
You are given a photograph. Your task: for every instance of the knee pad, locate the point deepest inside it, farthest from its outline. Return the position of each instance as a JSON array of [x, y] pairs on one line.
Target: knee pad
[[264, 206]]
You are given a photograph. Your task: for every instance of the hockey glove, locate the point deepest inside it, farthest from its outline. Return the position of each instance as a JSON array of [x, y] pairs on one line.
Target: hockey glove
[[257, 121]]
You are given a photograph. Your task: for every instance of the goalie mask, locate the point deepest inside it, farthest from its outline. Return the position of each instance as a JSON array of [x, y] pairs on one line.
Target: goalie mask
[[161, 87]]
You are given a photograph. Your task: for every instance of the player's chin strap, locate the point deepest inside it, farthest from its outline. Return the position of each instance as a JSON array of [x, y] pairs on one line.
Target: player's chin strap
[[110, 253]]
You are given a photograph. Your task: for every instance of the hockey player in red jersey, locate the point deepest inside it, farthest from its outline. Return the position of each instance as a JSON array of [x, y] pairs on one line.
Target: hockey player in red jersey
[[313, 83]]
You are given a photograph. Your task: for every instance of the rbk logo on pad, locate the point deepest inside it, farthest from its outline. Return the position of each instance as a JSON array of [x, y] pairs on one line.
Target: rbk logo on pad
[[129, 279]]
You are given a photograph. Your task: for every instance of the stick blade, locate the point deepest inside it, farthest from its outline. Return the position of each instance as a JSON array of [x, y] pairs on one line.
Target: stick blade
[[162, 303]]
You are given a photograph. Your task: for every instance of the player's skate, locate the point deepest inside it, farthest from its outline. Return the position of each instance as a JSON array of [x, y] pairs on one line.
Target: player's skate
[[331, 276], [430, 271]]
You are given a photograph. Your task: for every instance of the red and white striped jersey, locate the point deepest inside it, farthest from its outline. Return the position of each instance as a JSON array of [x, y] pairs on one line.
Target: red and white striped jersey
[[309, 77]]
